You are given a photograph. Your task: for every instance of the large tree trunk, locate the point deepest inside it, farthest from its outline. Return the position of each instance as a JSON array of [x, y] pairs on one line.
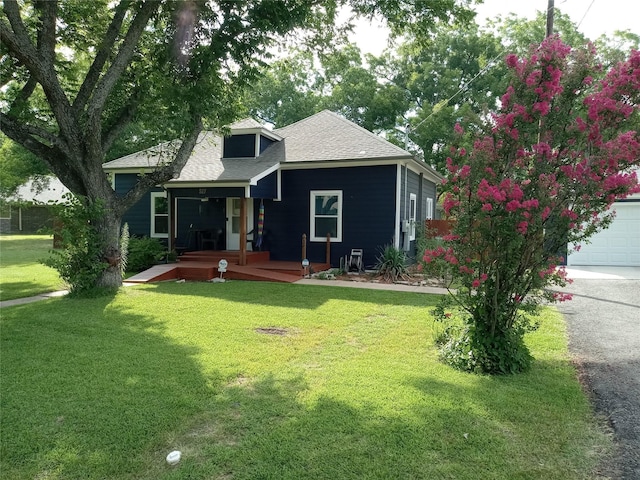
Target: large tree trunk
[[108, 229]]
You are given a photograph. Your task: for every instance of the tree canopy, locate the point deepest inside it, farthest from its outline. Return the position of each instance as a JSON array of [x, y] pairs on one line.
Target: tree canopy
[[83, 79]]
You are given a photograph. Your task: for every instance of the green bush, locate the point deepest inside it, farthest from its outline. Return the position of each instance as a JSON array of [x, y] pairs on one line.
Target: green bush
[[79, 261], [144, 252], [425, 241], [392, 264]]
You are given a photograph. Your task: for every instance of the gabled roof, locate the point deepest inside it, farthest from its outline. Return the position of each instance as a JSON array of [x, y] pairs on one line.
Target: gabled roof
[[327, 136], [45, 190], [204, 165], [320, 138]]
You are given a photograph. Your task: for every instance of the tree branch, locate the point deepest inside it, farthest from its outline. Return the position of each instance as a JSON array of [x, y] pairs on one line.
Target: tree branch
[[124, 117], [52, 155], [108, 81], [93, 75], [45, 46], [167, 172], [16, 38], [93, 127], [46, 43]]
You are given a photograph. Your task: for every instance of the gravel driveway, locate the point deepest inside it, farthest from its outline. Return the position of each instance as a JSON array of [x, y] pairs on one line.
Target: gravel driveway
[[604, 337]]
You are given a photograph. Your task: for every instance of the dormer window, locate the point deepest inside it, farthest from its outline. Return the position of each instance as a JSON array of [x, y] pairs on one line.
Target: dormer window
[[248, 139], [240, 146]]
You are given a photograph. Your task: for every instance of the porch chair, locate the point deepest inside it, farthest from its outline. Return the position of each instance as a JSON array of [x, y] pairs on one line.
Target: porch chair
[[180, 249], [252, 240], [212, 238]]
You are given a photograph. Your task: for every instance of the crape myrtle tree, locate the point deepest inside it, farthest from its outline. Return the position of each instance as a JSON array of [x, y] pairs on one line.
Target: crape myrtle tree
[[562, 148], [80, 78]]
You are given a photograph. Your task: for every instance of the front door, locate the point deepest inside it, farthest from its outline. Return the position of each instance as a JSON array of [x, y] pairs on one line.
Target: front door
[[233, 221]]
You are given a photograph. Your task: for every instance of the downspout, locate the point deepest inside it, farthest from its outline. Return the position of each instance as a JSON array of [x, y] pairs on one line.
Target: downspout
[[172, 221], [396, 234], [419, 212]]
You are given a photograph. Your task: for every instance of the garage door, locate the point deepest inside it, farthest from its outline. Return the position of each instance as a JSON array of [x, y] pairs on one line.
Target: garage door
[[618, 245]]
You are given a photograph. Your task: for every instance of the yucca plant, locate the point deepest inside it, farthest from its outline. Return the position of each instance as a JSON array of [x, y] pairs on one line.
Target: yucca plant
[[392, 264]]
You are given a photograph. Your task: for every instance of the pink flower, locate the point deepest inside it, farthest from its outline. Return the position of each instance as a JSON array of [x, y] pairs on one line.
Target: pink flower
[[487, 207], [511, 60], [476, 283], [512, 206], [522, 227]]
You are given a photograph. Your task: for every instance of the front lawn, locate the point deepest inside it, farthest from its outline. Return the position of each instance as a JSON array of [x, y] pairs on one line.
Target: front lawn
[[254, 380], [21, 274]]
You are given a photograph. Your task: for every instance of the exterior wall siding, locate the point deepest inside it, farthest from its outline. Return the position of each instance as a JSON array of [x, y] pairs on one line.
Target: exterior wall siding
[[266, 187], [264, 143], [139, 216], [423, 189], [367, 217]]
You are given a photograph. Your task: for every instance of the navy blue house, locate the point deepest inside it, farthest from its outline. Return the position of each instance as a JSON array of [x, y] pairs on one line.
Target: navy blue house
[[321, 175]]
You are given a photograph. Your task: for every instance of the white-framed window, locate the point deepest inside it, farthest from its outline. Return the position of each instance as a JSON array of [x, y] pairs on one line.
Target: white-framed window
[[429, 208], [326, 215], [413, 202], [159, 215]]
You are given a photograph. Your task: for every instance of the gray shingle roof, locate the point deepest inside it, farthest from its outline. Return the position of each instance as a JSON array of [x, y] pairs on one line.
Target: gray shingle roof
[[328, 136], [322, 137]]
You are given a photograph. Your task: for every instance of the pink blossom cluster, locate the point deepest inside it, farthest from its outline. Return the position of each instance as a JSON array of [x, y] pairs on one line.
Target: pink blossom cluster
[[548, 164]]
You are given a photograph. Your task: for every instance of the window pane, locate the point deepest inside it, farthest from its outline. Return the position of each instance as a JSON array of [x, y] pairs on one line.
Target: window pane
[[326, 225], [162, 224], [326, 205], [235, 224], [161, 205]]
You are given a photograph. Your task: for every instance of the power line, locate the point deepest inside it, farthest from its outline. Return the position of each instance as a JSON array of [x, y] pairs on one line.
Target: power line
[[586, 12]]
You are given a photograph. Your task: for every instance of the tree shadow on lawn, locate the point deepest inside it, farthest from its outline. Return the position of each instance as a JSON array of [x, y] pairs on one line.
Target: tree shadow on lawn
[[88, 389], [290, 295], [262, 430], [13, 290]]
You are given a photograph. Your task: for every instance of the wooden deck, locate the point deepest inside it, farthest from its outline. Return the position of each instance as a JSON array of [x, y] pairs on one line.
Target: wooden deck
[[203, 266]]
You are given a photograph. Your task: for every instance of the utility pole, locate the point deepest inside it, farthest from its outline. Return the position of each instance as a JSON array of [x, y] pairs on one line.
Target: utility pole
[[550, 18]]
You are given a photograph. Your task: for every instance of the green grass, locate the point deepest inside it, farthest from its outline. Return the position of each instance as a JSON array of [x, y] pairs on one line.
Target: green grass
[[21, 274], [105, 388]]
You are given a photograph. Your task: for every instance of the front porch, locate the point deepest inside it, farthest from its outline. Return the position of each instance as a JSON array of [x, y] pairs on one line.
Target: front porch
[[203, 266]]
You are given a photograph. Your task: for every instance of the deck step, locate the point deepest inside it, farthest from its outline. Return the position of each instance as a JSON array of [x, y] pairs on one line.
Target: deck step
[[203, 266]]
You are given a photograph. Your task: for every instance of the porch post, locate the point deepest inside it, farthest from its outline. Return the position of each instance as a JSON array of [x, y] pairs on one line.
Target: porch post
[[242, 260], [171, 241]]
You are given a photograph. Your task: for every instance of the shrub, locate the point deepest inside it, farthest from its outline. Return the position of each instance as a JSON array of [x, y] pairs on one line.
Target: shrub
[[79, 260], [392, 264], [560, 151], [426, 241], [144, 252]]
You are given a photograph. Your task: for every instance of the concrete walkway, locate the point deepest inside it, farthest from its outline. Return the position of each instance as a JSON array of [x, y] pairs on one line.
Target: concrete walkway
[[25, 300], [601, 273], [305, 281]]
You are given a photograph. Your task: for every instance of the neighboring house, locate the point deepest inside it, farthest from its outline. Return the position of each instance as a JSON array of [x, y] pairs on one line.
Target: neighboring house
[[323, 174], [27, 211], [619, 244]]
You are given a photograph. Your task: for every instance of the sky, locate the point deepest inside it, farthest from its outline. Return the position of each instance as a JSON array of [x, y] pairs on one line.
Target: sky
[[594, 17]]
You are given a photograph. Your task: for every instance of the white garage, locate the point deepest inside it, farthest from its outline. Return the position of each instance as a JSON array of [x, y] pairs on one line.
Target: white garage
[[618, 245]]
